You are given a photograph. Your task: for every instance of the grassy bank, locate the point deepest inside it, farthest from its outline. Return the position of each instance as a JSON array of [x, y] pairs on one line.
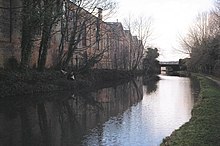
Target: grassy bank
[[203, 129], [32, 81]]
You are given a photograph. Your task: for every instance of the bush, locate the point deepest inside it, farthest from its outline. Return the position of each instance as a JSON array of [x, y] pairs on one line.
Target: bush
[[11, 64]]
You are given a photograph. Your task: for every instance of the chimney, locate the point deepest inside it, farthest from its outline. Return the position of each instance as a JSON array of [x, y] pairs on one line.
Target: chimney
[[100, 13]]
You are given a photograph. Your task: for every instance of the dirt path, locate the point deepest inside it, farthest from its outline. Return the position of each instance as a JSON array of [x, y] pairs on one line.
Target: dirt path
[[215, 80]]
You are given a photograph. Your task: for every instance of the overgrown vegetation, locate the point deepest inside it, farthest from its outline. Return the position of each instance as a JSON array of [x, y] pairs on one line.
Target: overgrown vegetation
[[203, 129], [32, 81], [202, 43], [150, 63]]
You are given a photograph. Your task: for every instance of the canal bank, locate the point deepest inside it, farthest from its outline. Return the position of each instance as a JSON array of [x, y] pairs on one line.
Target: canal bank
[[14, 83], [203, 128]]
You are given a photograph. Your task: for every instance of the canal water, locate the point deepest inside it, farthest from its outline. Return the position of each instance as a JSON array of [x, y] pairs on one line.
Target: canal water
[[134, 113]]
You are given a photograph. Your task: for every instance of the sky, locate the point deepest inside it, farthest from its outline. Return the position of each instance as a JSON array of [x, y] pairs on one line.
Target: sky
[[170, 19]]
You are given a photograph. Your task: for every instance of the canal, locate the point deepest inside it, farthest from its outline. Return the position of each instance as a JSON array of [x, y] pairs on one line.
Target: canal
[[134, 113]]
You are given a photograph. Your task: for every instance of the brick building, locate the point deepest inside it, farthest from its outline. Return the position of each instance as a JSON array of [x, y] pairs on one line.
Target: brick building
[[9, 29], [118, 48]]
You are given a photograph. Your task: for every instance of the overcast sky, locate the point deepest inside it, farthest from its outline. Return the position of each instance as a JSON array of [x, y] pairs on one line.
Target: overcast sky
[[170, 18]]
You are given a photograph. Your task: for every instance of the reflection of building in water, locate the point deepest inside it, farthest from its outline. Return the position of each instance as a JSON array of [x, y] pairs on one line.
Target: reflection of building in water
[[108, 102], [117, 99], [65, 121]]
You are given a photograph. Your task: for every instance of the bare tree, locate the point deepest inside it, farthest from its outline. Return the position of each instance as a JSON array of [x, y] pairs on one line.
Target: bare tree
[[202, 43], [142, 27], [51, 13], [76, 19], [30, 23], [79, 21]]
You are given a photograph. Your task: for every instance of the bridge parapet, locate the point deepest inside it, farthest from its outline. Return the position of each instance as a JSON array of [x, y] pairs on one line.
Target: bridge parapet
[[169, 62]]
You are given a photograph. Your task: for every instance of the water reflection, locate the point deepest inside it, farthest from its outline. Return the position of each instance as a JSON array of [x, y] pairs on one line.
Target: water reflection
[[168, 108], [149, 121], [128, 114], [63, 118], [150, 83]]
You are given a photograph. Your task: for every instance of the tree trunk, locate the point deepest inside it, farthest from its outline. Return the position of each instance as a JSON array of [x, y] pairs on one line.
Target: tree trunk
[[44, 45], [26, 46], [27, 34], [46, 35], [69, 56]]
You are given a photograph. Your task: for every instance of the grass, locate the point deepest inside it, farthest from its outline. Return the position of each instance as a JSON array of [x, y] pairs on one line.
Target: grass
[[203, 129]]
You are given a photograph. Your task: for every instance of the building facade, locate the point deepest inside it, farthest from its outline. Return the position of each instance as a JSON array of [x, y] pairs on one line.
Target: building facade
[[100, 44]]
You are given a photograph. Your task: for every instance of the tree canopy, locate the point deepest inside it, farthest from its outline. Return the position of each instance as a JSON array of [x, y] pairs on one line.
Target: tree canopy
[[202, 43], [150, 62]]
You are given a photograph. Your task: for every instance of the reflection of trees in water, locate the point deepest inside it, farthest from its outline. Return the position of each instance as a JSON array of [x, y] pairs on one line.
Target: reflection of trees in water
[[74, 114], [19, 123], [138, 89], [91, 100], [67, 117], [25, 127], [151, 83], [44, 125], [64, 121]]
